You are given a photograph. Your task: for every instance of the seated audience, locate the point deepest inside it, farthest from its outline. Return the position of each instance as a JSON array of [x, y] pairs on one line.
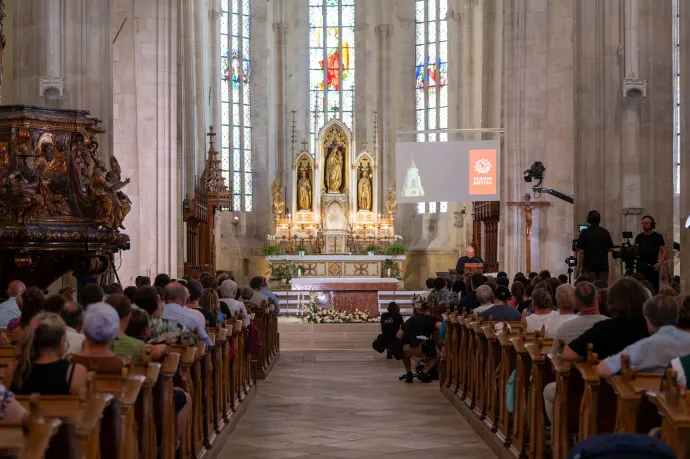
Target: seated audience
[[485, 297], [41, 366], [142, 281], [391, 322], [209, 281], [545, 274], [211, 302], [272, 297], [414, 339], [160, 328], [527, 302], [126, 346], [138, 327], [682, 367], [70, 293], [54, 303], [175, 297], [566, 309], [228, 290], [604, 301], [501, 274], [440, 294], [459, 288], [246, 294], [532, 275], [667, 290], [32, 303], [131, 292], [501, 311], [91, 294], [198, 316], [10, 409], [259, 300], [9, 309], [73, 314], [196, 290], [161, 280], [563, 279], [583, 278], [503, 281], [543, 310], [469, 301], [517, 292], [669, 338], [627, 325]]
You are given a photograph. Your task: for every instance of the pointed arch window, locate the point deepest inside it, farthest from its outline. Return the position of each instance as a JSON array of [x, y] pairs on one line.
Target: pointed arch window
[[331, 63], [431, 75], [236, 121]]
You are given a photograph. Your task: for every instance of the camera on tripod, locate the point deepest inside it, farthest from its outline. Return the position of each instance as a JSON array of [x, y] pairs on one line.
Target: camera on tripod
[[627, 254], [571, 261]]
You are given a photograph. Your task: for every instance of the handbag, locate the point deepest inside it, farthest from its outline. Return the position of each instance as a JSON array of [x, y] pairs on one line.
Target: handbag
[[379, 344]]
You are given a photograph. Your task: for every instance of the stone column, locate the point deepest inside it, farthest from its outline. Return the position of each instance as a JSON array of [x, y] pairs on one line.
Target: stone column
[[684, 139], [145, 131], [63, 57], [282, 151], [384, 33], [538, 93]]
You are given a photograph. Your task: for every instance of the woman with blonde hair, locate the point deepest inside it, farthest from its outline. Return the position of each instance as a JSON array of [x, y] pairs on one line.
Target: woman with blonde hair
[[543, 310], [41, 366], [210, 302]]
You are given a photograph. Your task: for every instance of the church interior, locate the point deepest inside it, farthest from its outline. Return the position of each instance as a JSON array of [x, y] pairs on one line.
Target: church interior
[[303, 228]]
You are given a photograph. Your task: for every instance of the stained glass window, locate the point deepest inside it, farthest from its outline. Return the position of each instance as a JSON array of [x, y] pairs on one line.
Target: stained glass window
[[236, 130], [676, 95], [331, 63], [431, 75]]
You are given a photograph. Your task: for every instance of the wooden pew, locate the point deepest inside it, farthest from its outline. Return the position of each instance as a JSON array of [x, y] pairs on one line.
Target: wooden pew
[[541, 375], [112, 376], [630, 388], [448, 366], [29, 439], [674, 406], [518, 446], [185, 381], [491, 379], [507, 366], [598, 407], [479, 373], [221, 382], [164, 405], [144, 409], [566, 407]]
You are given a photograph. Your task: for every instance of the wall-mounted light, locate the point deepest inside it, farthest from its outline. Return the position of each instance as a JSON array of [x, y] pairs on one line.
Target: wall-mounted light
[[235, 220]]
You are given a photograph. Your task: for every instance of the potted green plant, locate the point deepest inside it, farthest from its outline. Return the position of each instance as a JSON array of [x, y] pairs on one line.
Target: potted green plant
[[396, 249], [302, 250], [269, 250], [372, 249]]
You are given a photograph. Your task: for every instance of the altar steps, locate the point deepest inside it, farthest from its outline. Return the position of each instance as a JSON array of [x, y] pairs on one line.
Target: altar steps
[[290, 300], [295, 335]]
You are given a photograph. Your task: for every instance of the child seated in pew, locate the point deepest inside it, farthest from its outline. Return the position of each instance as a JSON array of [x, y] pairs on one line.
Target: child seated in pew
[[41, 367], [101, 326], [10, 409], [126, 346]]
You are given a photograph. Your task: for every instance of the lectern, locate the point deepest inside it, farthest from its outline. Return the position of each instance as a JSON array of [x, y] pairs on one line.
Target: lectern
[[474, 268]]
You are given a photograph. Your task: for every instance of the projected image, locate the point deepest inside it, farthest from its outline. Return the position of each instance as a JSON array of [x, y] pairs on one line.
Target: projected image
[[413, 181], [447, 171]]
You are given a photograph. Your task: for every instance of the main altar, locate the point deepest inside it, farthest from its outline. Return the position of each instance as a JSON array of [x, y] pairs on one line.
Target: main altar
[[331, 233]]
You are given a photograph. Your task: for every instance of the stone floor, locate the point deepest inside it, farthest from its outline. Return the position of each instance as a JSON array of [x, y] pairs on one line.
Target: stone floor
[[349, 405]]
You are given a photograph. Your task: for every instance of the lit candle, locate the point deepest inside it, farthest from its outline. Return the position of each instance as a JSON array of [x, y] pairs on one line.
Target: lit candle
[[299, 272], [389, 272]]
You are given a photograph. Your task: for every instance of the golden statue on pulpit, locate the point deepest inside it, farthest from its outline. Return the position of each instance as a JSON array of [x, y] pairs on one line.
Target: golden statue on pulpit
[[334, 170]]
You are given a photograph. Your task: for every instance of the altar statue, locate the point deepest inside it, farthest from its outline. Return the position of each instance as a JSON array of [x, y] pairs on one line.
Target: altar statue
[[364, 190], [334, 171], [303, 191]]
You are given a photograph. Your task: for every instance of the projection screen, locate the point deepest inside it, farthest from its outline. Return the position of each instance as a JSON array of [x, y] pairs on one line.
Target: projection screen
[[447, 171]]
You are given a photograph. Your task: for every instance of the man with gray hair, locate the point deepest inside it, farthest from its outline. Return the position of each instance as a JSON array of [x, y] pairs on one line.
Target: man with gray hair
[[485, 298], [565, 299], [587, 302], [653, 354], [175, 296]]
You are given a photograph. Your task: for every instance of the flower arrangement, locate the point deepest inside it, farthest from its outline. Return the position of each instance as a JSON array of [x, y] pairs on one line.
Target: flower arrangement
[[302, 250], [396, 248], [372, 248], [392, 269], [315, 313]]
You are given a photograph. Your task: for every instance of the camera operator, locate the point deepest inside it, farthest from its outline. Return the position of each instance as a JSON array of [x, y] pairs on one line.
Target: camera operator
[[594, 245], [652, 252]]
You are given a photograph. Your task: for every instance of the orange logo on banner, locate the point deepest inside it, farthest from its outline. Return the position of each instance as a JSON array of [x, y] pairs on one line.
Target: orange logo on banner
[[483, 177]]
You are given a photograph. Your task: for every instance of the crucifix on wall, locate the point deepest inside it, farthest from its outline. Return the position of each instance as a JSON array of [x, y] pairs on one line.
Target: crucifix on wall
[[527, 206]]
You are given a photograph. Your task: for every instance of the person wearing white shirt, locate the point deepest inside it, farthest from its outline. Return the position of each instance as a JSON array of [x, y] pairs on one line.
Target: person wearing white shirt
[[73, 314], [485, 297], [565, 298], [543, 310], [9, 309]]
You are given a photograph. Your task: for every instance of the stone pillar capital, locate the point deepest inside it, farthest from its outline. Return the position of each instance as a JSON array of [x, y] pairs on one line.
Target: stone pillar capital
[[384, 30], [280, 27]]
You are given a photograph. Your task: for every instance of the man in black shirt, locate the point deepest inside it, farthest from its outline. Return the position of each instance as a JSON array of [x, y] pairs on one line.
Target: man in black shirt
[[469, 301], [468, 258], [594, 245], [414, 340], [651, 250]]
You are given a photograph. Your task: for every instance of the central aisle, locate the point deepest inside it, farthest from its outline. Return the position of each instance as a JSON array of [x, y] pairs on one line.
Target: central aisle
[[349, 405]]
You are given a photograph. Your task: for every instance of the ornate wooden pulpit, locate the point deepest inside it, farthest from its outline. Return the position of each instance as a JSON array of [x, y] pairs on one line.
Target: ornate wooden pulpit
[[61, 209], [211, 194], [474, 268]]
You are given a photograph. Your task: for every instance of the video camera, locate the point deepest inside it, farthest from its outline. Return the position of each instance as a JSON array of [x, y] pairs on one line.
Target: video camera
[[628, 253]]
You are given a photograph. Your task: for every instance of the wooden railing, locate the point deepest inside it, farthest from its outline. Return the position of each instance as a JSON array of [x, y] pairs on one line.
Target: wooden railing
[[128, 411], [480, 358]]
